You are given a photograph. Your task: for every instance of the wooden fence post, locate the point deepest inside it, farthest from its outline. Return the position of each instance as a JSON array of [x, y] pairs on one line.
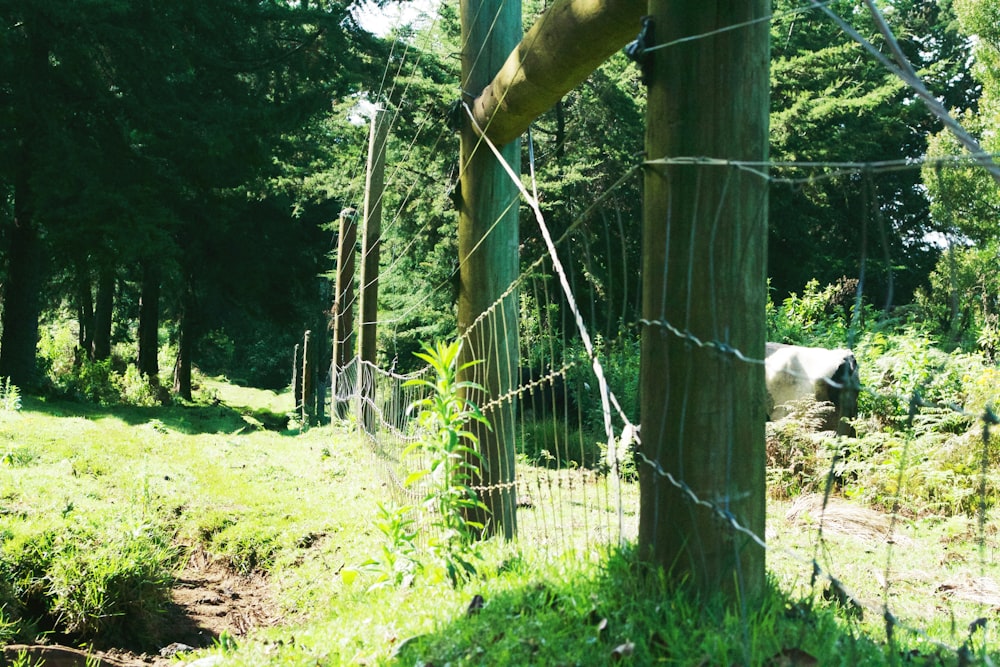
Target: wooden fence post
[[296, 379], [308, 380], [703, 271], [343, 308], [488, 256], [371, 245]]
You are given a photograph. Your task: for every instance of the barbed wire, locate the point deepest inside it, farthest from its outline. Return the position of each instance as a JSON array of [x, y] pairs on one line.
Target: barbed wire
[[774, 172]]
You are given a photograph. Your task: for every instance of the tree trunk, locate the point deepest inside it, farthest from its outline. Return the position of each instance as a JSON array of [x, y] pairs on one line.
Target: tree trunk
[[704, 251], [488, 256], [103, 313], [185, 344], [22, 288], [85, 309], [25, 252], [149, 321]]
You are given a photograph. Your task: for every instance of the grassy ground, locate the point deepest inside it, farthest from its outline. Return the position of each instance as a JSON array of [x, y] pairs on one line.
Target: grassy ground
[[99, 508]]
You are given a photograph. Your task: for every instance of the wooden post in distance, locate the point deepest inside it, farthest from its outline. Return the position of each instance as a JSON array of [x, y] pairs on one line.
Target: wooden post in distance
[[371, 244]]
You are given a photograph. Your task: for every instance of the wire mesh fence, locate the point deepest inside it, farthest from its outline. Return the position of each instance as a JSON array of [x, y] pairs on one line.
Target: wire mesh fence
[[858, 464]]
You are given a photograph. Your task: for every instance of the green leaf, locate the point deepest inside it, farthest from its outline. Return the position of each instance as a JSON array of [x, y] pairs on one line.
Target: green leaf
[[415, 476]]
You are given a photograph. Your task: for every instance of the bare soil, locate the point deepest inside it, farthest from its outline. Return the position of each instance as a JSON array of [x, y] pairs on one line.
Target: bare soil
[[207, 600]]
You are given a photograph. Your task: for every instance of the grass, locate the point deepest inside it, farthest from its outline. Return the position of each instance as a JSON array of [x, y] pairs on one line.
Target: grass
[[99, 505]]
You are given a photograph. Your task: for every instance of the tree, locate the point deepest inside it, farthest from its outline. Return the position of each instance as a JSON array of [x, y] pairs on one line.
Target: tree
[[831, 102], [965, 199], [135, 143]]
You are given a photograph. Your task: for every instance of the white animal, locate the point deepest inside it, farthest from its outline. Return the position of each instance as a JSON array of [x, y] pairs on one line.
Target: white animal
[[794, 372]]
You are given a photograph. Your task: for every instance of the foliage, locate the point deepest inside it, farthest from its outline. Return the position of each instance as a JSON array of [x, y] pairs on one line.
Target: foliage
[[961, 300], [833, 102], [821, 317], [448, 450], [901, 370], [400, 558], [10, 396], [135, 388], [965, 200], [169, 164], [798, 460]]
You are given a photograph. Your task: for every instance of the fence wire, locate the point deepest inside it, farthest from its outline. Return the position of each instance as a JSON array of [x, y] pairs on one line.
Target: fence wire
[[571, 413]]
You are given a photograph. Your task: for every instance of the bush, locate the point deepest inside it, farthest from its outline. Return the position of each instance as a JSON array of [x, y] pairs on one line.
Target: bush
[[961, 302], [136, 389], [10, 396], [112, 381], [896, 369], [820, 317]]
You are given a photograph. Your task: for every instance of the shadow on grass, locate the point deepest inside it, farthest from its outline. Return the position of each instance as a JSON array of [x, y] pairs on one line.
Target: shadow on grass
[[629, 615], [186, 418]]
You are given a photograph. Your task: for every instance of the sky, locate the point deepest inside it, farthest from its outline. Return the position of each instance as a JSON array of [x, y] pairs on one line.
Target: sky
[[381, 21]]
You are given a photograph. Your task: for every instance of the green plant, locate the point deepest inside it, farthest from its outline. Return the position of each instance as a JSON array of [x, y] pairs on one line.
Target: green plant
[[94, 381], [10, 396], [450, 449], [16, 457], [821, 317], [135, 388], [22, 659], [399, 560]]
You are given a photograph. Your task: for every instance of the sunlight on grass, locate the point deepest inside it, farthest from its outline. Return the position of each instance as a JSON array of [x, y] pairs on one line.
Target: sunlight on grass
[[300, 507]]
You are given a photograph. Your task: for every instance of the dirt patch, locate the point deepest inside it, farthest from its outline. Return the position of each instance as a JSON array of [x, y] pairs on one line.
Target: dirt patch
[[844, 517], [207, 600]]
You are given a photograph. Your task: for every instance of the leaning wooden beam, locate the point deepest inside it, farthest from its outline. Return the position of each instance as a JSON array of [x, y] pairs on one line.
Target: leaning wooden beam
[[566, 44]]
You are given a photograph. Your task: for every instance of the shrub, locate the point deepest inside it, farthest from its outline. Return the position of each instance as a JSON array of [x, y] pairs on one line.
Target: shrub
[[820, 317], [10, 396], [961, 302], [896, 369], [136, 389]]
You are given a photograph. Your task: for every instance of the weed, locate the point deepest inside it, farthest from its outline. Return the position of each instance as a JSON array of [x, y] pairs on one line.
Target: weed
[[450, 462], [10, 396], [400, 560], [19, 457], [453, 459]]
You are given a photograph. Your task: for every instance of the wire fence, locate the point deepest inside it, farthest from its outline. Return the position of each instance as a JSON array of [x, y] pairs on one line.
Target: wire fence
[[572, 413]]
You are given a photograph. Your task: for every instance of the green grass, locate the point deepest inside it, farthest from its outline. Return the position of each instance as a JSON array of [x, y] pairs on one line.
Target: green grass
[[99, 505]]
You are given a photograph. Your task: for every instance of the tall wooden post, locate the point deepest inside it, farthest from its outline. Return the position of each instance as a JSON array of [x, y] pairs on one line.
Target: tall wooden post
[[308, 379], [343, 306], [703, 271], [371, 244], [488, 254], [297, 378]]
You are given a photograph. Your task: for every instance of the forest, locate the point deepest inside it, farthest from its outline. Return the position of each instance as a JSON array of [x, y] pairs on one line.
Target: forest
[[172, 194]]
